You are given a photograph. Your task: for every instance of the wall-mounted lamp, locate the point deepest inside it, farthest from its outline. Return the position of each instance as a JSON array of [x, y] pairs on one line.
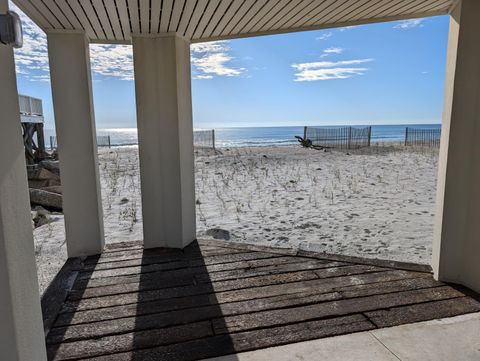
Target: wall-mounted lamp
[[11, 29]]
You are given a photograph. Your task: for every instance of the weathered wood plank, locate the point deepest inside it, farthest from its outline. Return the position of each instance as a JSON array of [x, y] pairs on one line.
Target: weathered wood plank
[[147, 290], [208, 310], [128, 341], [211, 270], [159, 255], [123, 245], [275, 302], [371, 261], [192, 261], [245, 341], [326, 285], [322, 285], [87, 275], [330, 309], [423, 312], [425, 281], [247, 246], [154, 285], [186, 316], [143, 285], [245, 272]]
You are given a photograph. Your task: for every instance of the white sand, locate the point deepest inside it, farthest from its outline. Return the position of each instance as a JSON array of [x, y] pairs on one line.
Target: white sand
[[377, 202]]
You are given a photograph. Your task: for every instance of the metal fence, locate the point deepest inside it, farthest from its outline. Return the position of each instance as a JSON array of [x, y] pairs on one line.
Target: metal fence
[[102, 141], [347, 137], [422, 137], [204, 138]]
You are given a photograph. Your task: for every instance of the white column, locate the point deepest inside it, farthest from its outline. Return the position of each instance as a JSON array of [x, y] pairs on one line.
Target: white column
[[456, 248], [165, 135], [77, 146], [21, 328]]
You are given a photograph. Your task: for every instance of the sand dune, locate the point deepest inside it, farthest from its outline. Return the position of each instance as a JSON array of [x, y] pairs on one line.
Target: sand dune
[[376, 202]]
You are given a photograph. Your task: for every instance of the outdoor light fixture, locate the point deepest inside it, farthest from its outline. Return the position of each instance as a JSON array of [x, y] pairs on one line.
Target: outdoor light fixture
[[11, 29]]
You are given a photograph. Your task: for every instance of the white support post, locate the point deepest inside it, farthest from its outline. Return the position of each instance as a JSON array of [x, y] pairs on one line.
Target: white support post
[[77, 145], [165, 136], [21, 329], [456, 248]]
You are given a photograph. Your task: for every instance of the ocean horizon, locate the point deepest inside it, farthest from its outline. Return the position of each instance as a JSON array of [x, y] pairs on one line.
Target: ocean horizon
[[258, 136]]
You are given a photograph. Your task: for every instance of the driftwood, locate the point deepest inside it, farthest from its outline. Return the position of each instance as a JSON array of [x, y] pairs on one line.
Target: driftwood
[[307, 143]]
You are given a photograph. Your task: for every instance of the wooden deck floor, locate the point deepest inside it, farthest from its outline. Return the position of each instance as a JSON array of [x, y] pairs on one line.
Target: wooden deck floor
[[211, 300]]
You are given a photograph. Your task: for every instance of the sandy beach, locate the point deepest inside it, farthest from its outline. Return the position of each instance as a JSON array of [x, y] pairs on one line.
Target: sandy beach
[[377, 202]]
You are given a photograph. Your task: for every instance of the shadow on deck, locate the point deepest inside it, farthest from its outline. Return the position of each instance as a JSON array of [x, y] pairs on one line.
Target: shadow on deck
[[216, 298]]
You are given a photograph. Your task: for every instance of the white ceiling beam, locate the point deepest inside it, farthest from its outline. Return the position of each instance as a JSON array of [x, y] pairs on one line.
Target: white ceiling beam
[[124, 19], [144, 16], [92, 17], [58, 13], [82, 18], [103, 18], [217, 16], [155, 13], [207, 20], [33, 13], [186, 15], [196, 16], [249, 15], [231, 11], [114, 18], [167, 7], [176, 14], [134, 18], [69, 14]]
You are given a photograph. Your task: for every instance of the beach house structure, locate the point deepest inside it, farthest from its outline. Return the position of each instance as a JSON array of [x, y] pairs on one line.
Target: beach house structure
[[161, 33]]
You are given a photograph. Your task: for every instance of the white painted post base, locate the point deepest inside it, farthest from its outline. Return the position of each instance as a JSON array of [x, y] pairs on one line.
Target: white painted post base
[[165, 136], [456, 248], [77, 144], [21, 328]]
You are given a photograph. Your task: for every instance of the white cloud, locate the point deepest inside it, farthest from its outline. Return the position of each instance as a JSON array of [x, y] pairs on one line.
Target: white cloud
[[333, 50], [32, 59], [327, 70], [409, 24], [324, 36], [115, 61], [347, 27], [213, 58]]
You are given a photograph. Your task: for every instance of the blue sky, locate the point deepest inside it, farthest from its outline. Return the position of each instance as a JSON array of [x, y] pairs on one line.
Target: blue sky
[[389, 73]]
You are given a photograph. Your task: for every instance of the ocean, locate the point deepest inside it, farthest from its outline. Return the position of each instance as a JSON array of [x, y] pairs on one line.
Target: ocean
[[257, 136]]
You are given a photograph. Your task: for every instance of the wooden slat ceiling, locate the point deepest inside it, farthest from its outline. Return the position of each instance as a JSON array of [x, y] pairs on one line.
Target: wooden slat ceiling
[[113, 21]]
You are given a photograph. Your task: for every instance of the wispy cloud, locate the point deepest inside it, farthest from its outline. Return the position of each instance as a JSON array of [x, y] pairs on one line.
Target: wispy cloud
[[347, 27], [409, 24], [213, 59], [327, 70], [333, 50], [32, 59], [324, 36]]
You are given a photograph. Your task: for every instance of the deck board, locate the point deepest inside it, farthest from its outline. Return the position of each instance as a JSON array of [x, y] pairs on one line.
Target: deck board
[[212, 299]]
